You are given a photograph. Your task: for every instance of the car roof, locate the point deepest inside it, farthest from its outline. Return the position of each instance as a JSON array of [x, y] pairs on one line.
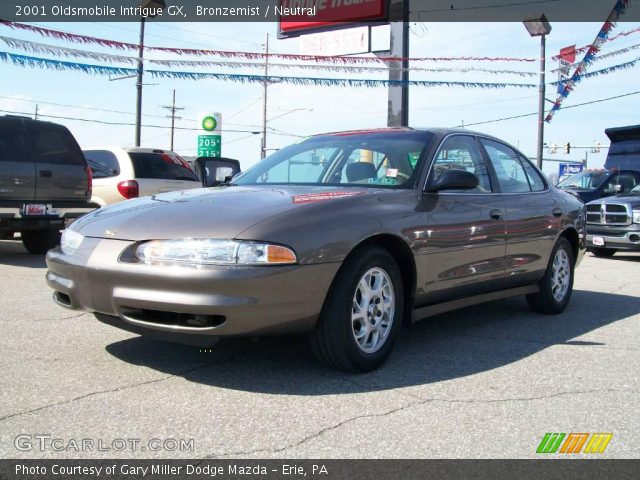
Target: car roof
[[18, 119], [440, 131], [131, 149]]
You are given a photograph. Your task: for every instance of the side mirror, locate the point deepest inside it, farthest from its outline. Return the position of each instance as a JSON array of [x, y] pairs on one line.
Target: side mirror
[[214, 171], [454, 180]]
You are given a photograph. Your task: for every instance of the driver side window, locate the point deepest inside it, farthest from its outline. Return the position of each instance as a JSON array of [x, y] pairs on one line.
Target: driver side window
[[460, 152]]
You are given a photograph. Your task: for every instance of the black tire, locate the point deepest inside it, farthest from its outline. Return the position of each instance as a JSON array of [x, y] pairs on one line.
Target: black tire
[[545, 301], [38, 242], [603, 252], [333, 340]]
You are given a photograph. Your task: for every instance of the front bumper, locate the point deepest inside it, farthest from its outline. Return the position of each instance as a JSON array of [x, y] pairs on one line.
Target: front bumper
[[615, 237], [188, 304]]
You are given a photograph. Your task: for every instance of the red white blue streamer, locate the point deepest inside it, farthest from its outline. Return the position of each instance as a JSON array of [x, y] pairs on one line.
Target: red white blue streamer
[[47, 49], [581, 70], [344, 59], [30, 61]]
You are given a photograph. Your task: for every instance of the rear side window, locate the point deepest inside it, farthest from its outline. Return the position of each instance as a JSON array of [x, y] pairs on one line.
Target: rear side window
[[12, 145], [509, 170], [161, 166], [103, 163], [56, 145], [535, 179]]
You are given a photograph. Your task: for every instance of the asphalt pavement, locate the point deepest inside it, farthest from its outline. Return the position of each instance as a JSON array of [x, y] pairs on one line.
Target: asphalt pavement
[[483, 382]]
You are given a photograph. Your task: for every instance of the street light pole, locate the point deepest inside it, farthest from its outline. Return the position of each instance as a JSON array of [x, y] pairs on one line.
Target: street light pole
[[540, 27], [541, 96]]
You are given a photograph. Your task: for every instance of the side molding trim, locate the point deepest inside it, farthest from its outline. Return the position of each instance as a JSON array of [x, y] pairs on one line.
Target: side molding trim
[[431, 310]]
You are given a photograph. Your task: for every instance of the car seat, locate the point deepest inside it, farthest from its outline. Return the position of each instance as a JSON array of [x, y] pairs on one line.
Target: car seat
[[360, 171]]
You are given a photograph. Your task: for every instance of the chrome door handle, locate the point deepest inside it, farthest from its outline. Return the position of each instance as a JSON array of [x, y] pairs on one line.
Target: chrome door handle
[[495, 214]]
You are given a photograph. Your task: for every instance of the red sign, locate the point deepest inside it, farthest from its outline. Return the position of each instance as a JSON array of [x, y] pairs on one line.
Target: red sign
[[302, 16], [321, 197], [568, 54]]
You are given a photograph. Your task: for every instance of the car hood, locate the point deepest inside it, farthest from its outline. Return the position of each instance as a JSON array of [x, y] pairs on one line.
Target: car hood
[[222, 212], [628, 199]]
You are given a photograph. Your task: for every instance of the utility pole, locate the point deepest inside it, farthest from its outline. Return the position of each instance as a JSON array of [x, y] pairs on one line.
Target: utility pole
[[263, 148], [35, 117], [139, 83], [398, 102], [173, 117]]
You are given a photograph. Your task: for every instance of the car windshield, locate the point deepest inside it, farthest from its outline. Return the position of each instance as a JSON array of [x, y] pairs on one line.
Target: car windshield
[[377, 159], [585, 180]]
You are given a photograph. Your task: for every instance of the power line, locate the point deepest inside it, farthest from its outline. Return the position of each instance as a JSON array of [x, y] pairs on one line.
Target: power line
[[536, 113], [482, 7], [244, 109], [106, 110], [105, 122]]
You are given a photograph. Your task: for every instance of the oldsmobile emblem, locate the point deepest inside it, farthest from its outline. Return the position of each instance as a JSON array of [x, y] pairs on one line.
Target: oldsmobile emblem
[[110, 233]]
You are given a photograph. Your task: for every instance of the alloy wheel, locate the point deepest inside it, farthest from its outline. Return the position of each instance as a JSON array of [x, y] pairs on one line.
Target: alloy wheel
[[373, 310]]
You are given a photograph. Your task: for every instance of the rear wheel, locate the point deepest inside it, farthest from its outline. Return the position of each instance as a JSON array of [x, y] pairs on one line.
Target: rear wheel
[[38, 242], [362, 313], [557, 284], [604, 252]]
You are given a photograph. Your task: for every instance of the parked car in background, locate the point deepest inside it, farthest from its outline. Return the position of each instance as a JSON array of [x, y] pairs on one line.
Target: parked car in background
[[594, 184], [123, 173], [621, 171], [614, 224], [44, 181], [343, 236]]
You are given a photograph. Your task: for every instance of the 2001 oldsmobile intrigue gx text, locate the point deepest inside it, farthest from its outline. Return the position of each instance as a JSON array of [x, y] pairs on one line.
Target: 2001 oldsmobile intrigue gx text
[[345, 236]]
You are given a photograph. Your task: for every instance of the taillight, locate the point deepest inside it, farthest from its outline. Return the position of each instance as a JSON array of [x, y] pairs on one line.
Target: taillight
[[89, 173], [128, 189]]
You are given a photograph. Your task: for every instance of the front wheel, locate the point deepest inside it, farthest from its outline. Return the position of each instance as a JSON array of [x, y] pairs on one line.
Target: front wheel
[[38, 242], [362, 313], [557, 284]]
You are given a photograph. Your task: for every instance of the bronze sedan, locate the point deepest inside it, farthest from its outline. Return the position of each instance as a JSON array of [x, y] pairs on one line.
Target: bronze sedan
[[344, 236]]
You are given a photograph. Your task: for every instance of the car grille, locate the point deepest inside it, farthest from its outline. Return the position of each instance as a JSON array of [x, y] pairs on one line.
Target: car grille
[[608, 214]]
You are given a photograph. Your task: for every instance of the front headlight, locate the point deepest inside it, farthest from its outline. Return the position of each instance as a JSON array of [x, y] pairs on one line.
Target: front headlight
[[636, 216], [70, 241], [199, 252]]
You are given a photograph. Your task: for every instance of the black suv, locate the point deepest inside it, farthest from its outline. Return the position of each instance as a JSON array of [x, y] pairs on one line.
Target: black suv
[[44, 181]]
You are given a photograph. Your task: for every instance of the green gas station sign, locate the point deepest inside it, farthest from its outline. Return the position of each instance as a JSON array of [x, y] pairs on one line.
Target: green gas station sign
[[210, 144]]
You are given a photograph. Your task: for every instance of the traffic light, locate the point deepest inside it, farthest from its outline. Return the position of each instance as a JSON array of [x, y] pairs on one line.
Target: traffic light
[[554, 148], [567, 148], [597, 147]]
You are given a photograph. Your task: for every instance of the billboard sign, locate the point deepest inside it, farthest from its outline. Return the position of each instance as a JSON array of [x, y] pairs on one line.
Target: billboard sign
[[327, 15], [568, 169], [348, 41]]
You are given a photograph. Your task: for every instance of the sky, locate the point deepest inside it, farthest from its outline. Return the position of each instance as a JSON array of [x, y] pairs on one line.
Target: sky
[[299, 111]]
